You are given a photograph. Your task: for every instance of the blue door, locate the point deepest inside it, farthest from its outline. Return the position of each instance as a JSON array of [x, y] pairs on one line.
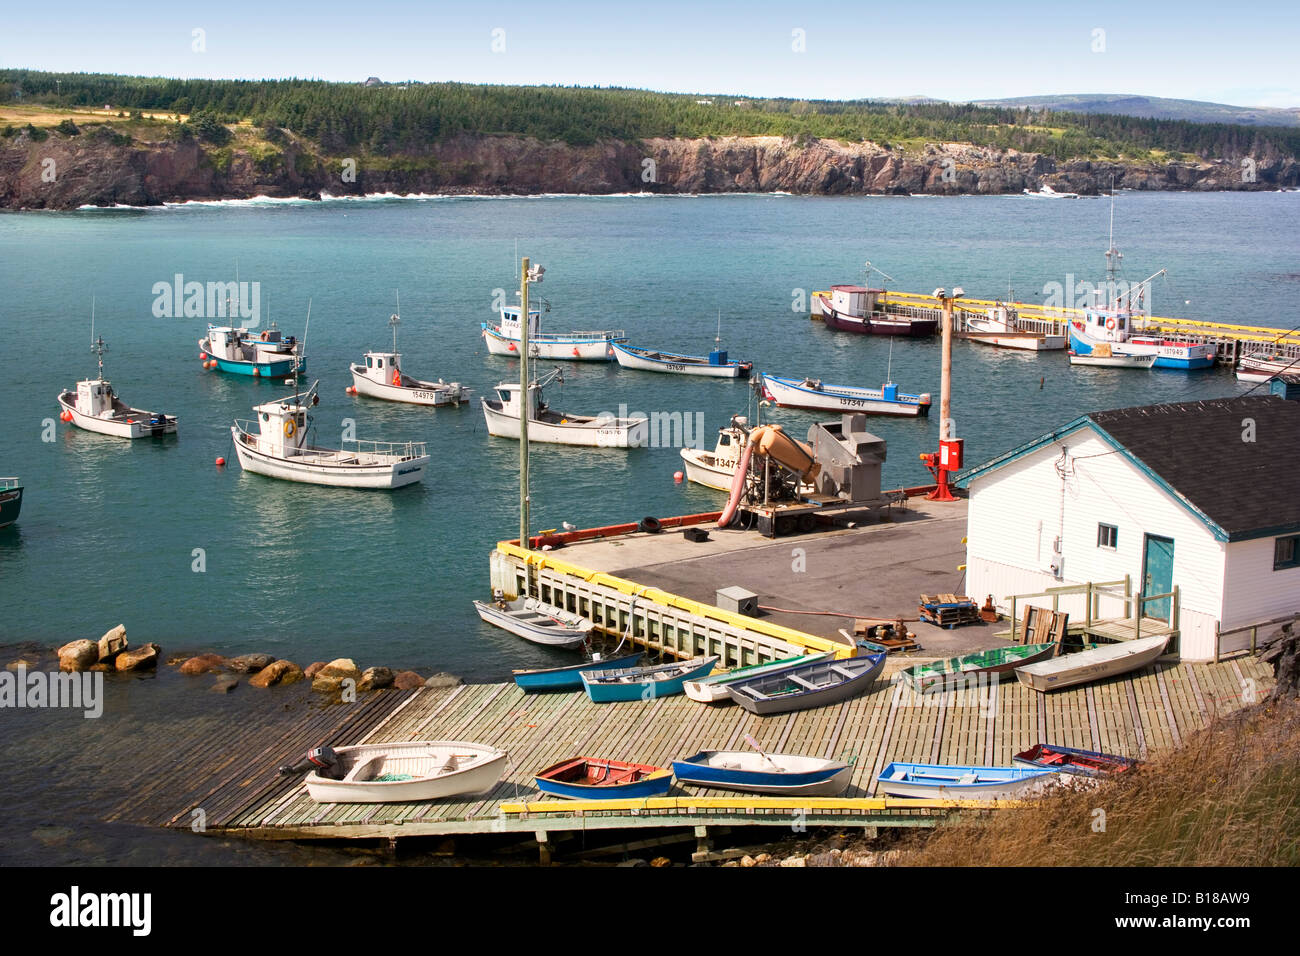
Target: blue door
[[1157, 573]]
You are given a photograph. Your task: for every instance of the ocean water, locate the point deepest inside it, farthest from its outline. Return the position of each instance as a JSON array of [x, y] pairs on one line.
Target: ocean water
[[110, 529]]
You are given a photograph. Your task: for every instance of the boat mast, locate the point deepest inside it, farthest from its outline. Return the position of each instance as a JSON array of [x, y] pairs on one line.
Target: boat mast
[[1113, 255], [396, 319]]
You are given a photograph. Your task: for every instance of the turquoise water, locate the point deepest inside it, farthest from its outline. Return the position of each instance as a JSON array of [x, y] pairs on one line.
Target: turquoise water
[[109, 528]]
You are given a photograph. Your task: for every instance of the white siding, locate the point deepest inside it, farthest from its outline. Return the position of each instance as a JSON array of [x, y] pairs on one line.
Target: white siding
[[1018, 510], [1253, 591]]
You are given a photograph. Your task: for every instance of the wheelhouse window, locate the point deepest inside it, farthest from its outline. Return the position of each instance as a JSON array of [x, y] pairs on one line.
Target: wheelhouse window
[[1286, 552], [1107, 536]]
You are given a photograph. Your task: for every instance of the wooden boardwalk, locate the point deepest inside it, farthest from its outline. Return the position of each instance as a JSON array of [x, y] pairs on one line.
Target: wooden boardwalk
[[229, 785]]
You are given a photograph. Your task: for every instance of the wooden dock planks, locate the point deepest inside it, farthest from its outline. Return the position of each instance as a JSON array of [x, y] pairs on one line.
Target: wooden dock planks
[[232, 777]]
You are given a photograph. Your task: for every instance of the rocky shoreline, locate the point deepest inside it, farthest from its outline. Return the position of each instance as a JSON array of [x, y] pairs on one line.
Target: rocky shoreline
[[100, 167]]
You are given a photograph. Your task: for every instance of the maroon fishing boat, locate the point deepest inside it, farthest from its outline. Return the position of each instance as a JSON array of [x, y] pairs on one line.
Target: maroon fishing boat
[[855, 308], [1085, 763]]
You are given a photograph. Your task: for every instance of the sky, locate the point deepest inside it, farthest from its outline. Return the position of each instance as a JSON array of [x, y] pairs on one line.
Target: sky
[[1242, 54]]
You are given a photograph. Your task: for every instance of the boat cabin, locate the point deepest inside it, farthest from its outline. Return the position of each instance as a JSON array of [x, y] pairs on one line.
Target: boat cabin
[[95, 398], [241, 345], [383, 367], [1107, 325], [508, 396], [510, 321], [282, 428], [854, 300]]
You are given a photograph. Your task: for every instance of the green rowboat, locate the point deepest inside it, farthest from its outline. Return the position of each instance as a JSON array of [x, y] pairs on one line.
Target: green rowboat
[[1000, 663]]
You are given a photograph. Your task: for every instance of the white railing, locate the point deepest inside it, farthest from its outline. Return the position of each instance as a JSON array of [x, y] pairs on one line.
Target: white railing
[[8, 483], [399, 449]]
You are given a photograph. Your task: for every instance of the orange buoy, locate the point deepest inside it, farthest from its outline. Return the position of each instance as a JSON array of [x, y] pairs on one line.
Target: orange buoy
[[257, 372], [575, 351], [511, 347], [678, 476], [203, 356], [221, 462]]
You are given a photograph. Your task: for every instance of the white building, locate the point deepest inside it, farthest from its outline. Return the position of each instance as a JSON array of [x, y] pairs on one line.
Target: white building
[[1202, 495]]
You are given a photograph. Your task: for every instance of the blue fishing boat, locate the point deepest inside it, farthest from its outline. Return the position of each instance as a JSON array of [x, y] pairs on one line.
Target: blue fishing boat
[[569, 677], [787, 774], [809, 685], [267, 354], [587, 778], [644, 683], [817, 396], [930, 781]]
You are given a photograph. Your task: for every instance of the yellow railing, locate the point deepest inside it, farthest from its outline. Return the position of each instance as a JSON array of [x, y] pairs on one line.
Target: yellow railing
[[744, 804]]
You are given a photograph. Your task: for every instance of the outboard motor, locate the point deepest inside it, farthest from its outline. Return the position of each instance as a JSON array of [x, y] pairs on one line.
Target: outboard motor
[[322, 759]]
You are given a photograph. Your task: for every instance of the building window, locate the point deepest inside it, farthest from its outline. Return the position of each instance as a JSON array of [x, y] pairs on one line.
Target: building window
[[1286, 553], [1107, 536]]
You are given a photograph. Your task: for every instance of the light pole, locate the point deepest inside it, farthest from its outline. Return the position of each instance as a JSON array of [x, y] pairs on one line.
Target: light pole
[[528, 273], [948, 458]]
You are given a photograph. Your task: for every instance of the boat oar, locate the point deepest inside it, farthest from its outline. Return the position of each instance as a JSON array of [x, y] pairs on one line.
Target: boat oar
[[754, 743]]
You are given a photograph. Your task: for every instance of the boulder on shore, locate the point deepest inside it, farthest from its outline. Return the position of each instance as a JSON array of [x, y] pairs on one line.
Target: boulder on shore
[[443, 680], [249, 663], [142, 658], [224, 684], [313, 669], [78, 655], [202, 664], [330, 678], [277, 672], [375, 678], [112, 643], [407, 680]]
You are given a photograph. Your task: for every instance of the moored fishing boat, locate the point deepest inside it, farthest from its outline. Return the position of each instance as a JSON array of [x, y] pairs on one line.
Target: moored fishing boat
[[559, 428], [713, 688], [380, 375], [1263, 366], [716, 469], [590, 778], [276, 446], [944, 782], [1098, 663], [1000, 326], [809, 685], [1083, 763], [536, 621], [1047, 192], [814, 394], [998, 663], [503, 339], [406, 772], [265, 354], [569, 677], [713, 365], [1102, 356], [782, 774], [855, 308], [11, 501], [644, 683], [94, 406]]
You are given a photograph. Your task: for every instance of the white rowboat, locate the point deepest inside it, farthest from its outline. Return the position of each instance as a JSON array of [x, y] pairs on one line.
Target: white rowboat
[[540, 623], [1096, 664], [408, 772]]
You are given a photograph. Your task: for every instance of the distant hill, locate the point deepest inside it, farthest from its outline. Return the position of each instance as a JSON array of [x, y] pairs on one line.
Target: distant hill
[[1153, 107]]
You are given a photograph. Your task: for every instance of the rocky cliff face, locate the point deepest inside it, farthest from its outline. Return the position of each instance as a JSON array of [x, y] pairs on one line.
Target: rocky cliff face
[[100, 168]]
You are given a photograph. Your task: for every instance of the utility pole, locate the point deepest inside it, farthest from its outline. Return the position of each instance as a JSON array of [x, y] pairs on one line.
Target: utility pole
[[523, 406]]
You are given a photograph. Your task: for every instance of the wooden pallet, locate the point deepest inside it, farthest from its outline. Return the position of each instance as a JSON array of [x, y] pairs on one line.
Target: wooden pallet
[[948, 610], [1042, 626]]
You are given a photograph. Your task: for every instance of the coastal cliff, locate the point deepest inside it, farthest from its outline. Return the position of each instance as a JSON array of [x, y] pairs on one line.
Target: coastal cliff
[[102, 167]]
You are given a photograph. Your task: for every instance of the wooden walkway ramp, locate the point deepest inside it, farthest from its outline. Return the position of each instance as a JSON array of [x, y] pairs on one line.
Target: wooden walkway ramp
[[229, 785]]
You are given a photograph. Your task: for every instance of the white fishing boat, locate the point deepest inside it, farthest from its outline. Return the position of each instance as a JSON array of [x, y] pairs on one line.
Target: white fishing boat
[[275, 445], [94, 406], [536, 621], [503, 339], [717, 468], [1047, 192], [381, 376], [1101, 356], [1109, 660], [559, 428], [1263, 366], [713, 365], [1000, 326], [944, 782], [265, 354], [815, 394], [407, 772]]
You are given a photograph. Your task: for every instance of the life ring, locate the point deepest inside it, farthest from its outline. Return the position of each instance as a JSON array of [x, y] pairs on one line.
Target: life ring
[[266, 336], [397, 377], [1110, 324], [290, 427]]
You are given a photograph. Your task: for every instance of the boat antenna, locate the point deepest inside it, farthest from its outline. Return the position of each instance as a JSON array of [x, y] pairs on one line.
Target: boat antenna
[[395, 320], [718, 338], [1113, 255], [302, 355], [96, 345], [889, 369]]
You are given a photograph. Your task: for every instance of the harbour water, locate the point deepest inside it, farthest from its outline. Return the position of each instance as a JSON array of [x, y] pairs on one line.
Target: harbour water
[[113, 532]]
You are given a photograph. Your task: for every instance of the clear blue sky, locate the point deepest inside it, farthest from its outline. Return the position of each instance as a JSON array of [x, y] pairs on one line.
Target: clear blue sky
[[1240, 53]]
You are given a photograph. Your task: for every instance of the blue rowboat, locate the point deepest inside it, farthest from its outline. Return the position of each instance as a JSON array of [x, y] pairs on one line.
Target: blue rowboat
[[809, 685], [943, 782], [588, 778], [569, 677], [713, 689], [764, 773], [644, 683]]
